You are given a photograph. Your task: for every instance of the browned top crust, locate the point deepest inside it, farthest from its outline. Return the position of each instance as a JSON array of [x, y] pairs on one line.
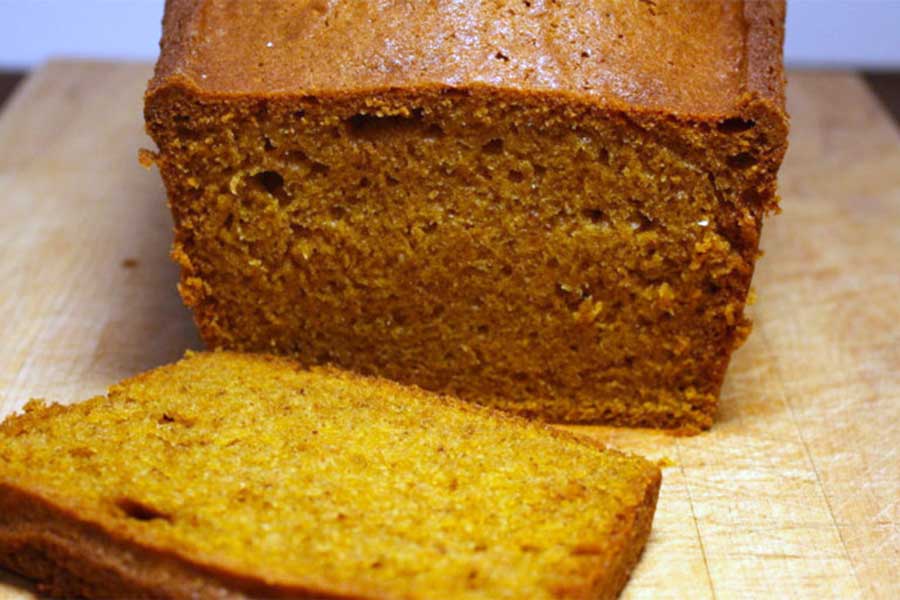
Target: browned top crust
[[702, 59]]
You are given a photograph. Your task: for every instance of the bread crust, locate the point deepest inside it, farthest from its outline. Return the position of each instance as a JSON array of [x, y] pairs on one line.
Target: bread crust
[[707, 77], [763, 49]]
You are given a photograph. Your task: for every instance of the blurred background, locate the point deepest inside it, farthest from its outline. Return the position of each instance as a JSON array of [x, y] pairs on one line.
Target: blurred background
[[844, 34]]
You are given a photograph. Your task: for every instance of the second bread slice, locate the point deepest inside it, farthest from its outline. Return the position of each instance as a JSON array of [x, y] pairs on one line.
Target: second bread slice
[[229, 474]]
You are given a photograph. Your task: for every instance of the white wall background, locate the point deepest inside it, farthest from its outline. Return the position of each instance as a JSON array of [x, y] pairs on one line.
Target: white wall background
[[820, 33]]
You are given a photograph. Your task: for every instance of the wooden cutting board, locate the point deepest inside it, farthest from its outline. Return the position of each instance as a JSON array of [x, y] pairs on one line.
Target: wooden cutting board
[[793, 494]]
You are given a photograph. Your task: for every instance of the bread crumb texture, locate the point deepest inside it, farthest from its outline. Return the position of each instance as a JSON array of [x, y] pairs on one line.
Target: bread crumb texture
[[326, 481], [550, 208]]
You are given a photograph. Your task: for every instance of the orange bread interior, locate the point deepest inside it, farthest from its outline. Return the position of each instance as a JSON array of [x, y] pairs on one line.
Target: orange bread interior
[[250, 476], [548, 208]]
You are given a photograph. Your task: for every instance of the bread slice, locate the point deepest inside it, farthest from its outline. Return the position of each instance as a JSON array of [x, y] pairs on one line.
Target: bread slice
[[552, 208], [231, 475]]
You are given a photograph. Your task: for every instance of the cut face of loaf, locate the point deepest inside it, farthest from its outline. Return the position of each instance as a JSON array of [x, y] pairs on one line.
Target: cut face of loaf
[[546, 251], [231, 476]]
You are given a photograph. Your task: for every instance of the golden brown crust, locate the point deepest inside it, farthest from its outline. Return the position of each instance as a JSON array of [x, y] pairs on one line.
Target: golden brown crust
[[179, 19], [631, 56], [763, 48], [73, 549]]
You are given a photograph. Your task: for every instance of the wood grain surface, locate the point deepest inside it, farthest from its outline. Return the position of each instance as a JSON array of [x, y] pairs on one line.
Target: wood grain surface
[[793, 494]]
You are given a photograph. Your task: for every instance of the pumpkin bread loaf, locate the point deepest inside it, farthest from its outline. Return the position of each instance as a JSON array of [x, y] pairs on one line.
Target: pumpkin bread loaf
[[229, 475], [548, 207]]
